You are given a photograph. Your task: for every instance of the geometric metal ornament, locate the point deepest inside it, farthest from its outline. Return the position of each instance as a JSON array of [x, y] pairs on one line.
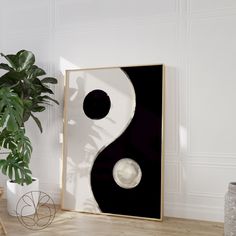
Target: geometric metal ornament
[[35, 210]]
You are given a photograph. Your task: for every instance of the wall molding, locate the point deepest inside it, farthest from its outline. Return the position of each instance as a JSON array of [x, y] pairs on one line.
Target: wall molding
[[206, 195], [189, 21], [175, 150]]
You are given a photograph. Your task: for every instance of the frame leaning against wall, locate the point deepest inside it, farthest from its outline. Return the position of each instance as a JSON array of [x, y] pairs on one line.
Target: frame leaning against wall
[[77, 163]]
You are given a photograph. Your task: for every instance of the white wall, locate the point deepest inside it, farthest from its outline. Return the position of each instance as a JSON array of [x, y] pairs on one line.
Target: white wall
[[195, 39]]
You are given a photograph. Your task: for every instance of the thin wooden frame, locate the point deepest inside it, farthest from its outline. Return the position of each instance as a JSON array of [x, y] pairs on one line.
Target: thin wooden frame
[[65, 138]]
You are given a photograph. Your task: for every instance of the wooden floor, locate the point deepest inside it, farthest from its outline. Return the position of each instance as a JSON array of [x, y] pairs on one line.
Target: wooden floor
[[72, 223]]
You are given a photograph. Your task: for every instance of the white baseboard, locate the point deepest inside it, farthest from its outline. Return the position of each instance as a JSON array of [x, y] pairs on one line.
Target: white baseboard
[[194, 212]]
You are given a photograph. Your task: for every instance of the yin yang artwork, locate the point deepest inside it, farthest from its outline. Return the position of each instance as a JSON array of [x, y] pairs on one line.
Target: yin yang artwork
[[113, 141]]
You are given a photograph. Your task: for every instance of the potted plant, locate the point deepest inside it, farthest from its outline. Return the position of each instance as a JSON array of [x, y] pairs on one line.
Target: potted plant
[[22, 94]]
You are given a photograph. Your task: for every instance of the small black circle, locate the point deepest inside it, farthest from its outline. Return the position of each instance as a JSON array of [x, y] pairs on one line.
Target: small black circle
[[96, 104]]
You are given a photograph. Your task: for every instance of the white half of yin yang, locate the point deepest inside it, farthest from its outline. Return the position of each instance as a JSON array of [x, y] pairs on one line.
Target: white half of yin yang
[[87, 137]]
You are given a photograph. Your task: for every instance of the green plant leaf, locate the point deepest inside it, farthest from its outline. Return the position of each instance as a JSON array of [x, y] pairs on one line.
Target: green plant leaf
[[45, 97], [37, 121], [38, 108], [4, 168], [38, 71], [5, 67], [24, 146], [17, 178], [21, 173], [28, 179], [2, 162], [34, 71], [26, 115], [17, 142], [11, 110], [12, 78], [26, 59], [47, 90], [10, 171], [12, 59], [26, 94], [49, 80], [23, 60]]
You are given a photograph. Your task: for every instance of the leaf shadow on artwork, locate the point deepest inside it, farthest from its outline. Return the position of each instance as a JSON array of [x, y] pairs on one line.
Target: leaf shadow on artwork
[[86, 138]]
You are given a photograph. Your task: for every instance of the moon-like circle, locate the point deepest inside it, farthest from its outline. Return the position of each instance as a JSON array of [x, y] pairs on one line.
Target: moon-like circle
[[127, 173]]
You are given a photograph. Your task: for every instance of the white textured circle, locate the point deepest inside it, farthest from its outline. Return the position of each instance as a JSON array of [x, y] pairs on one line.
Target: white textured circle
[[127, 173]]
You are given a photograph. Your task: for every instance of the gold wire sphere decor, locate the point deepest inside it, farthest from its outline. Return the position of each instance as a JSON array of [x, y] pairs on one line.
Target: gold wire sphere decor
[[35, 210]]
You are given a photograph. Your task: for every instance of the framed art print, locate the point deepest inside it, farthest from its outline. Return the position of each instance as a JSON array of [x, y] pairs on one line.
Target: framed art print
[[113, 141]]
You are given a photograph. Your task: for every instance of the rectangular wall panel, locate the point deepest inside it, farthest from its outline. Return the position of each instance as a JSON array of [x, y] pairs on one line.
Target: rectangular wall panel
[[28, 15], [194, 176], [209, 5], [212, 86]]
